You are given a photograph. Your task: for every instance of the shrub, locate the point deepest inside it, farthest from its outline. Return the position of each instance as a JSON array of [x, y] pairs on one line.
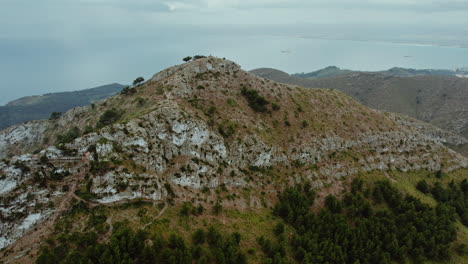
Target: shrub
[[57, 176], [44, 159], [333, 204], [423, 187], [275, 106], [159, 90], [199, 237], [122, 186], [66, 151], [100, 167], [279, 229], [257, 102], [227, 129], [200, 209], [88, 129], [186, 209], [128, 91], [55, 115], [217, 208], [462, 250], [109, 117], [169, 190], [141, 101], [68, 137]]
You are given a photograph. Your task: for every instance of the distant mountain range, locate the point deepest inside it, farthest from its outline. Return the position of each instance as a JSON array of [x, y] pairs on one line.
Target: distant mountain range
[[436, 97], [41, 106], [332, 71]]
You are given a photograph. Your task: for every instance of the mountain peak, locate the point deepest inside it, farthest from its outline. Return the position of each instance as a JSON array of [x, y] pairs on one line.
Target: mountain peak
[[199, 66], [203, 125]]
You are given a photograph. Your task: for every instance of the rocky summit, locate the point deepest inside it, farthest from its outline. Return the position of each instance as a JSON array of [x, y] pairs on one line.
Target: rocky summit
[[193, 128]]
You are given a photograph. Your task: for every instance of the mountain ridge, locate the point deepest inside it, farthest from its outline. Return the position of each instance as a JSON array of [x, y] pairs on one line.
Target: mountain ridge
[[333, 71], [42, 106], [439, 100]]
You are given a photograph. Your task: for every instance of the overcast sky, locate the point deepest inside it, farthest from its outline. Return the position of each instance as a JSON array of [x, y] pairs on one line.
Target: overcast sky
[[58, 45]]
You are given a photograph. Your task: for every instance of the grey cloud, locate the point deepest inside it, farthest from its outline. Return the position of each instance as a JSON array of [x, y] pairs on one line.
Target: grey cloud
[[414, 5]]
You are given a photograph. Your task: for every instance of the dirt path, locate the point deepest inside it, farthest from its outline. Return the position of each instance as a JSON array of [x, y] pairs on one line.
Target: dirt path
[[26, 248], [90, 204], [158, 216], [162, 211]]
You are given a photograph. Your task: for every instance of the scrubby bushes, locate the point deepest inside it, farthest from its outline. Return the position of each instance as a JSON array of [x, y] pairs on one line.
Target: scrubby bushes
[[109, 117], [189, 209], [127, 90], [422, 186], [69, 136], [255, 100], [227, 129]]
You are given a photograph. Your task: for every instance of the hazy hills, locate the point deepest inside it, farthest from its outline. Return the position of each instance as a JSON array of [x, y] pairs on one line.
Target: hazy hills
[[323, 73], [40, 107], [194, 165], [332, 71]]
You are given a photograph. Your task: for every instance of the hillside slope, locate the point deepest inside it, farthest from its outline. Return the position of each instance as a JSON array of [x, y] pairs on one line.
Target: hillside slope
[[40, 107], [439, 100], [191, 133]]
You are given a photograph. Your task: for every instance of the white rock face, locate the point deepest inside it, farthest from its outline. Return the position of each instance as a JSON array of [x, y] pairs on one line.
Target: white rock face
[[24, 203], [7, 185], [30, 220], [22, 137]]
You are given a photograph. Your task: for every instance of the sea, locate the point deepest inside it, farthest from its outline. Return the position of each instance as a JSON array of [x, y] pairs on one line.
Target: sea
[[37, 66]]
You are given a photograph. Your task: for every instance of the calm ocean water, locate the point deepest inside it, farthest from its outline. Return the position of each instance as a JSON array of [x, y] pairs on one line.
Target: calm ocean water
[[41, 66]]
